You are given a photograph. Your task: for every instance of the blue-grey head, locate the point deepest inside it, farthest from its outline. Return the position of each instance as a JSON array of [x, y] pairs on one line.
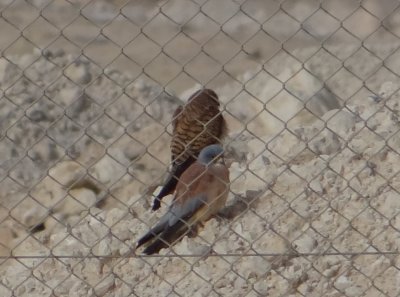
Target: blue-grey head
[[211, 154]]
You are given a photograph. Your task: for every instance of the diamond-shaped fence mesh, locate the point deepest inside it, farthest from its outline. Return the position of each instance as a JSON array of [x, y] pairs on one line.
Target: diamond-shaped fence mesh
[[310, 92]]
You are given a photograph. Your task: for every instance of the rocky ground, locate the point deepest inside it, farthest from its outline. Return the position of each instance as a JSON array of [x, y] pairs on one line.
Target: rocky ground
[[78, 162], [314, 143]]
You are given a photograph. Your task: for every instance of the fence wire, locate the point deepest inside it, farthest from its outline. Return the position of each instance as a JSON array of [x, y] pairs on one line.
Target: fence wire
[[310, 93]]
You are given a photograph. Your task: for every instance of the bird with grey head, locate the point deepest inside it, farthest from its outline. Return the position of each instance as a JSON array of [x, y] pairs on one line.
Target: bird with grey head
[[201, 193]]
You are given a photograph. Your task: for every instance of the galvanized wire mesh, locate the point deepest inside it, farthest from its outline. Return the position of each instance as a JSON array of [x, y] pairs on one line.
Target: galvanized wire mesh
[[310, 90]]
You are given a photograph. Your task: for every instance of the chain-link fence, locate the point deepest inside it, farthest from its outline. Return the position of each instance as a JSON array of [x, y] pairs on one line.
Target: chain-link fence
[[310, 93]]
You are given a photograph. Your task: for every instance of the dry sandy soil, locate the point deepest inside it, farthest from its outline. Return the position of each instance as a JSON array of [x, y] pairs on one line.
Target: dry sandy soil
[[311, 95]]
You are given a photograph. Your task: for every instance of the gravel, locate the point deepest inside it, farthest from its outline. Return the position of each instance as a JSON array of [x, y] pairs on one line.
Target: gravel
[[82, 157]]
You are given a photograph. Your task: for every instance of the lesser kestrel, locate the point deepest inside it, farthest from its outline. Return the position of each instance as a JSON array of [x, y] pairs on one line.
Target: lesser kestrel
[[201, 192], [196, 125]]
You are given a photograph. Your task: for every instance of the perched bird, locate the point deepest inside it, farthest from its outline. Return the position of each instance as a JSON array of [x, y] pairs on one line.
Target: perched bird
[[196, 125], [201, 192]]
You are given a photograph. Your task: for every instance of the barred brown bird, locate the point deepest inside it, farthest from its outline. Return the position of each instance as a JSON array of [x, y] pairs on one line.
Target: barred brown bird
[[196, 125]]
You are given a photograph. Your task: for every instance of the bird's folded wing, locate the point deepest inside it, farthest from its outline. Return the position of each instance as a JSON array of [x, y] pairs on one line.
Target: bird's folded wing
[[175, 116], [184, 211], [171, 181], [174, 224]]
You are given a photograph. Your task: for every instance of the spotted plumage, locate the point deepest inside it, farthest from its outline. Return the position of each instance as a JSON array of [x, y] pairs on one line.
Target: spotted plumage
[[196, 125]]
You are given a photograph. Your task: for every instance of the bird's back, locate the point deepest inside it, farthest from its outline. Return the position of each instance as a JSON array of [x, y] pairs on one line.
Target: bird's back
[[201, 192], [198, 124], [211, 181]]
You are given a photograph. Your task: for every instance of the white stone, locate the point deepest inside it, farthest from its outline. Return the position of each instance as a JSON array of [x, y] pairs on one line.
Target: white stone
[[79, 73], [104, 247], [325, 143], [320, 190], [105, 285], [342, 283], [340, 122], [316, 186], [69, 95], [305, 244]]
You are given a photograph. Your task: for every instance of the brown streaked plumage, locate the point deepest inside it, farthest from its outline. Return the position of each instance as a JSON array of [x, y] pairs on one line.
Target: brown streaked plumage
[[201, 192], [196, 125]]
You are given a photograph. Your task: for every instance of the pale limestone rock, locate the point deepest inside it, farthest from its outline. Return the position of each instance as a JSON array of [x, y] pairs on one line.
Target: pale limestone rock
[[261, 287], [78, 200], [299, 186], [78, 72], [339, 122], [107, 170], [67, 172], [342, 283], [69, 95], [316, 186], [305, 244], [104, 285], [325, 143]]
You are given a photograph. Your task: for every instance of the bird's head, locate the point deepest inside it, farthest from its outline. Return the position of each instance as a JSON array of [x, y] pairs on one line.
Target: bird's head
[[204, 95], [211, 154]]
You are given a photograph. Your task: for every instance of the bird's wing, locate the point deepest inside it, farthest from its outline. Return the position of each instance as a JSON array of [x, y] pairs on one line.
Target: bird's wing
[[209, 183], [175, 116], [184, 211], [171, 181], [176, 170], [181, 203], [174, 224], [196, 125], [200, 193]]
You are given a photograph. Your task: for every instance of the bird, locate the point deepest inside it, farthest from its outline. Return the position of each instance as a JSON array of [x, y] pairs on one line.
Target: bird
[[195, 125], [201, 193]]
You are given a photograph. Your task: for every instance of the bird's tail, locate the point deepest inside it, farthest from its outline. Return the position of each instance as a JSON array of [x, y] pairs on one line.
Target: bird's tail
[[164, 234], [168, 238], [182, 226], [172, 180], [151, 234]]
